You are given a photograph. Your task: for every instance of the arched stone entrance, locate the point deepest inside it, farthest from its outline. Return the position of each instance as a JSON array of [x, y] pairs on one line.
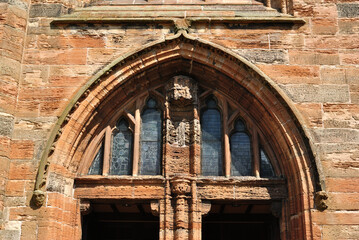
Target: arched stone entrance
[[255, 96]]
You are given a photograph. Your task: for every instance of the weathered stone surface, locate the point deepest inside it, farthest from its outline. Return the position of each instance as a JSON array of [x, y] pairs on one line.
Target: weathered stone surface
[[264, 56], [47, 10], [10, 234], [336, 135], [333, 75], [18, 3], [44, 65], [333, 232], [316, 58], [348, 10], [318, 93], [6, 124], [60, 184], [348, 26]]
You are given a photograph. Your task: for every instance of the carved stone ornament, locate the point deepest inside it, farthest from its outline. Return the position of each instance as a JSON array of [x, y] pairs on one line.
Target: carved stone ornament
[[180, 187], [181, 91], [320, 200], [38, 198], [85, 207], [155, 207], [205, 207], [182, 24]]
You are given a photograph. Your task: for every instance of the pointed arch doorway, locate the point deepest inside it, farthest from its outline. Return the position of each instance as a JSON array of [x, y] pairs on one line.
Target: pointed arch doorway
[[187, 77]]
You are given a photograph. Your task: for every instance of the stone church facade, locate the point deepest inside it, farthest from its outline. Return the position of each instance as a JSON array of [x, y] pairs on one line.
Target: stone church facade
[[176, 119]]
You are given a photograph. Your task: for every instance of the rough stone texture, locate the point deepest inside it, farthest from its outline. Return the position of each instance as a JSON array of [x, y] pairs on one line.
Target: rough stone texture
[[6, 125], [264, 56], [348, 10], [42, 66], [46, 10]]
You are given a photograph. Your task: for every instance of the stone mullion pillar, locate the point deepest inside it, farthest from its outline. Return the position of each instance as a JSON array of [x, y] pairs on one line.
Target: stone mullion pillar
[[181, 220], [181, 189], [227, 150], [195, 146], [136, 140], [195, 216], [256, 154], [182, 157]]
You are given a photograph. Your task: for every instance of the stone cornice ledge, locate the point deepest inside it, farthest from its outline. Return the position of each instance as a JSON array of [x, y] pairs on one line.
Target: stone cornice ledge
[[190, 20]]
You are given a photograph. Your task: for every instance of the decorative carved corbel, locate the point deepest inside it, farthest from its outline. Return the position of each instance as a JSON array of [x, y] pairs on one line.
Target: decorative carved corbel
[[85, 207], [180, 187], [320, 200], [205, 207], [155, 207], [38, 198]]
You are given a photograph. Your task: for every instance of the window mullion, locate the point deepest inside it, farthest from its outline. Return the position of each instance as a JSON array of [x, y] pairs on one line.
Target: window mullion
[[136, 140], [256, 154], [107, 151], [227, 151]]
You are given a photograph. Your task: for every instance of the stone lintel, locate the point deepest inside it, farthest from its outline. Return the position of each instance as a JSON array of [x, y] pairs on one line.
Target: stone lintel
[[242, 190]]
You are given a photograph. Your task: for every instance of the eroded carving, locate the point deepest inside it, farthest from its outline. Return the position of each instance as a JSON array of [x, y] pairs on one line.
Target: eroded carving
[[155, 207], [320, 200], [85, 207], [181, 91], [38, 198], [205, 207], [180, 187], [183, 133]]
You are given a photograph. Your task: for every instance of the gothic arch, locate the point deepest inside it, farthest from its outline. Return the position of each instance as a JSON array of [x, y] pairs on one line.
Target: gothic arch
[[258, 97]]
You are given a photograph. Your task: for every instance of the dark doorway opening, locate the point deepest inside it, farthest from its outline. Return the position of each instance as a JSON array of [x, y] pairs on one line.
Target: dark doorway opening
[[128, 220], [240, 221]]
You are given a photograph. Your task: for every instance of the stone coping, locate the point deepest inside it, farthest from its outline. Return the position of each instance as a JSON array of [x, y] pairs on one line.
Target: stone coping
[[169, 14]]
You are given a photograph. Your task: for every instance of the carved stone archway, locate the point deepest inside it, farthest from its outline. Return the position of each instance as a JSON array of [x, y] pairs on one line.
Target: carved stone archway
[[221, 70]]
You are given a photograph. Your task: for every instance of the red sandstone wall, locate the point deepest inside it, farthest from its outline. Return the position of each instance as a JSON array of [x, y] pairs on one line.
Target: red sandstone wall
[[41, 68], [13, 23]]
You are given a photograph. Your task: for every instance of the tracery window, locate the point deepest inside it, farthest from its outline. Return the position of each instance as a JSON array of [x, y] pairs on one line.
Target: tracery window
[[133, 145], [229, 146], [121, 161], [244, 155], [151, 140], [211, 140], [240, 151]]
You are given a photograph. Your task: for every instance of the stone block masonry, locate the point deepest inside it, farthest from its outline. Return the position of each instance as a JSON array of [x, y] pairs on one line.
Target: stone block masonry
[[307, 71]]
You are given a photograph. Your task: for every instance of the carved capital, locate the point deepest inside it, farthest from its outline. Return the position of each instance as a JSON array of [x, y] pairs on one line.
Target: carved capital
[[85, 207], [180, 187], [38, 198], [320, 200], [181, 91]]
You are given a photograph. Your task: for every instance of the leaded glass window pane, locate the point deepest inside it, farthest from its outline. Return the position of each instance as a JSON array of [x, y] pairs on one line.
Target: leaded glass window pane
[[241, 164], [150, 163], [266, 166], [121, 162], [211, 141], [241, 157], [97, 163]]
